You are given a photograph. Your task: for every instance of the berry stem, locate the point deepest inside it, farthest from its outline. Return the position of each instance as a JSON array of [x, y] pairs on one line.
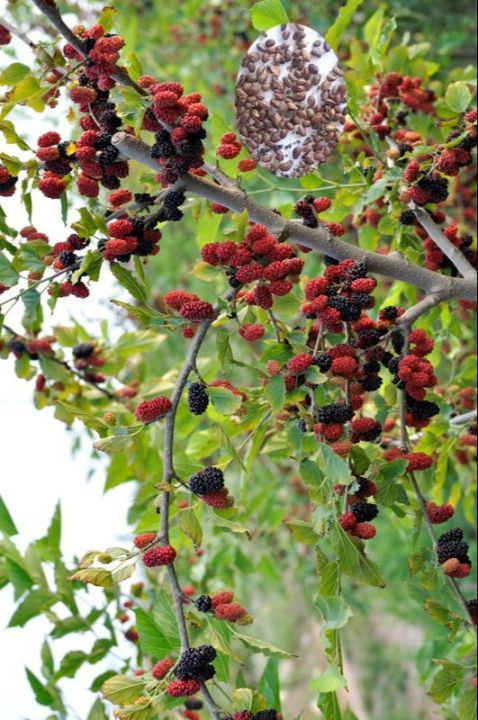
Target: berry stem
[[40, 282], [318, 239], [275, 325]]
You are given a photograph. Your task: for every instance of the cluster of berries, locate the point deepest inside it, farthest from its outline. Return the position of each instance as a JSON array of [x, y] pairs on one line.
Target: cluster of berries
[[273, 267], [177, 121], [269, 714], [309, 208], [196, 664], [356, 521], [190, 307], [7, 182], [33, 347], [439, 514], [435, 259], [453, 554], [198, 399], [87, 356], [395, 87], [102, 51], [208, 484], [223, 607], [229, 148], [151, 410], [129, 236]]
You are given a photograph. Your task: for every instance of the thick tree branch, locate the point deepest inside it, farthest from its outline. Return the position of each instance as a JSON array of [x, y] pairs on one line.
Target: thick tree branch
[[51, 12], [465, 418], [317, 239], [453, 254]]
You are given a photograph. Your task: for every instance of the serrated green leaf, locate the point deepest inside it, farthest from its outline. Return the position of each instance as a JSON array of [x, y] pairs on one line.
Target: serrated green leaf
[[126, 278], [467, 707], [354, 562], [121, 689], [152, 639], [260, 646], [334, 611], [335, 469], [447, 681], [43, 694], [269, 684], [94, 576], [225, 402], [303, 532], [8, 276], [35, 603]]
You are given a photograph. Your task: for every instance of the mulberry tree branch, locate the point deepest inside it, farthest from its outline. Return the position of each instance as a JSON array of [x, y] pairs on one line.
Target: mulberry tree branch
[[454, 255], [318, 239], [164, 500]]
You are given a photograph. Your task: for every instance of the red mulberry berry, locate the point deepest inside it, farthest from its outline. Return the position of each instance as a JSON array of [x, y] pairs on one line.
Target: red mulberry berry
[[219, 500], [120, 197], [87, 186], [222, 598], [365, 531], [177, 298], [365, 285], [336, 229], [280, 288], [183, 688], [141, 541], [344, 366], [300, 363], [316, 287], [197, 311], [251, 332], [321, 204], [48, 139], [348, 521], [228, 151], [150, 410], [219, 209], [246, 165], [419, 461], [232, 612], [439, 513], [249, 273], [263, 297], [366, 429], [52, 186], [161, 669], [120, 228], [158, 556]]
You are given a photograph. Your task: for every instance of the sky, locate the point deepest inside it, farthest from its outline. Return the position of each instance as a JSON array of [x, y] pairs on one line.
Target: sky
[[38, 469]]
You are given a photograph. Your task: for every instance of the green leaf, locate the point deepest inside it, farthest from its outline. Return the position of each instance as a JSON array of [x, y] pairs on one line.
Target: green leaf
[[275, 392], [165, 617], [86, 418], [260, 646], [467, 707], [8, 276], [267, 14], [35, 603], [447, 681], [329, 682], [329, 705], [90, 265], [126, 278], [345, 16], [335, 612], [335, 469], [303, 532], [269, 684], [72, 661], [97, 711], [18, 576], [14, 73], [94, 576], [190, 526], [458, 97], [122, 690], [354, 562], [49, 546], [224, 401], [223, 347], [242, 699], [7, 525], [115, 443], [43, 695], [152, 639]]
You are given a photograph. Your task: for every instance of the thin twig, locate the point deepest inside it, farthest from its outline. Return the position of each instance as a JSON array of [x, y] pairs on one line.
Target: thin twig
[[275, 325], [454, 255], [405, 446], [71, 268], [465, 418]]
